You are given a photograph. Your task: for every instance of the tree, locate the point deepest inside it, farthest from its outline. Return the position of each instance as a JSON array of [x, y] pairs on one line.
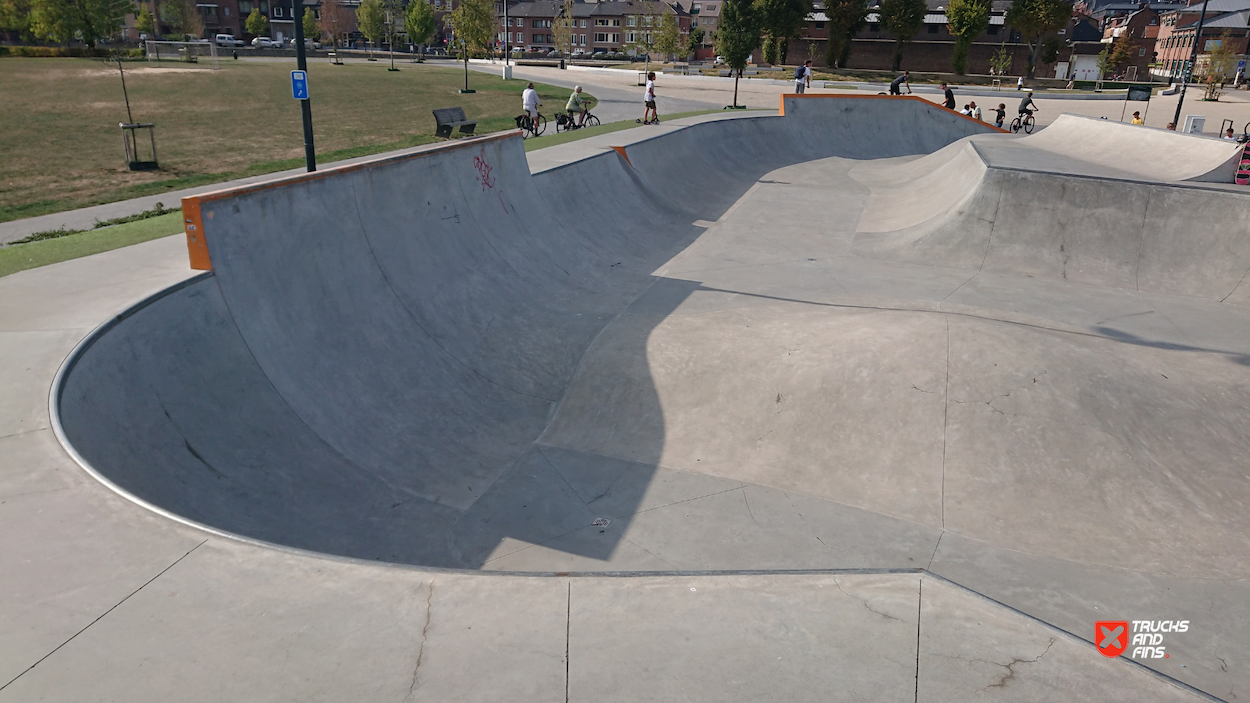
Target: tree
[[903, 19], [562, 28], [418, 22], [846, 18], [965, 19], [645, 24], [1121, 52], [474, 24], [1001, 60], [15, 16], [371, 21], [1050, 49], [779, 21], [1036, 19], [87, 20], [257, 24], [336, 22], [668, 36], [144, 22], [1220, 60], [737, 36], [311, 31], [694, 40], [181, 17]]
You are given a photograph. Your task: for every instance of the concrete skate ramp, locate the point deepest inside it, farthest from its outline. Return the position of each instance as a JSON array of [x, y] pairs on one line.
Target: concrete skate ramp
[[378, 346], [978, 205]]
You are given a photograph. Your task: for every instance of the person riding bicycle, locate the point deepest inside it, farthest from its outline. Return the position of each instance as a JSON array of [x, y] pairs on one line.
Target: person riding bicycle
[[894, 84], [1026, 102], [530, 103], [578, 104]]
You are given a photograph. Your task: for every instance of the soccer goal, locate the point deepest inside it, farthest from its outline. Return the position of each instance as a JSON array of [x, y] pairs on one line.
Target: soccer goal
[[182, 51]]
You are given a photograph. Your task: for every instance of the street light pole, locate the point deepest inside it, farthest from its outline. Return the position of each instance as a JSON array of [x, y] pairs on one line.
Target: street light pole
[[305, 106], [1187, 72], [507, 34]]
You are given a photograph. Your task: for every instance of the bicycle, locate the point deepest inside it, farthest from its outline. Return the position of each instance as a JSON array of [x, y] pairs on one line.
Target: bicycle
[[568, 122], [531, 128], [1025, 122]]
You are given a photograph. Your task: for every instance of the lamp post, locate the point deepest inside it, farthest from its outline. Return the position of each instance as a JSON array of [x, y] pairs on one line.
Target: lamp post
[[1187, 71], [310, 154]]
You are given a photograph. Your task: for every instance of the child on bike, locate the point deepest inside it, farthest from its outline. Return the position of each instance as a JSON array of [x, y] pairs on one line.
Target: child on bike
[[577, 104]]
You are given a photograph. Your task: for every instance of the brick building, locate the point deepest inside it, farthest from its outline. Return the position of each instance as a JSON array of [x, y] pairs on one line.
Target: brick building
[[597, 26], [1177, 30], [929, 51]]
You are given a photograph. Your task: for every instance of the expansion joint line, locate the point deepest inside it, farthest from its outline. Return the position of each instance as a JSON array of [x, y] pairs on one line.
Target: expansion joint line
[[946, 404], [919, 604], [115, 607], [568, 626]]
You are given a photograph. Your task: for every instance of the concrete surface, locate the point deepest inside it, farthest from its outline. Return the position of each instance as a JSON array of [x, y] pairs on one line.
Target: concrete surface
[[835, 476]]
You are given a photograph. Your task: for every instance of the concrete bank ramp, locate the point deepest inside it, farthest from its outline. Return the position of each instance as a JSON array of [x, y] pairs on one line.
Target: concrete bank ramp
[[378, 345], [1040, 206]]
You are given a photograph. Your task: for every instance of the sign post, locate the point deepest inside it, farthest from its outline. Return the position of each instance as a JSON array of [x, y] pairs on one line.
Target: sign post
[[299, 88]]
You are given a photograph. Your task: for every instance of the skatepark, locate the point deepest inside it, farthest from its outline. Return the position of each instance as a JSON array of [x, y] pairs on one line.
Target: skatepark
[[893, 406]]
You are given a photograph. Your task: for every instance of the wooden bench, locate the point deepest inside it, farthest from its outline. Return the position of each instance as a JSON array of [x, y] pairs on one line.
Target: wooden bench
[[448, 117]]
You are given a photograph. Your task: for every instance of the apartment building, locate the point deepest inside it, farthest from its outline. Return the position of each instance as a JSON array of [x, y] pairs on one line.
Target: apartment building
[[606, 26], [1178, 33]]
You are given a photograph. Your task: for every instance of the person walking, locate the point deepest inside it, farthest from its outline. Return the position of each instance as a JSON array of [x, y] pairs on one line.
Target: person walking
[[976, 111], [1020, 83], [648, 101], [950, 97], [1000, 114], [530, 103], [803, 77], [897, 82], [1137, 118]]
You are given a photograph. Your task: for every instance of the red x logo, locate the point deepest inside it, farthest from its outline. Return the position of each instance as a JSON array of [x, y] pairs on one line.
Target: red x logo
[[1111, 637]]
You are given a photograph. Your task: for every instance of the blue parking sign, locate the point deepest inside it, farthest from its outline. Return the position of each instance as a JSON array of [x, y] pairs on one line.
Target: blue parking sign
[[299, 85]]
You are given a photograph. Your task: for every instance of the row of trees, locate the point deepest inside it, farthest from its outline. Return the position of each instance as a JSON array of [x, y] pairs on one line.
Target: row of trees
[[771, 24]]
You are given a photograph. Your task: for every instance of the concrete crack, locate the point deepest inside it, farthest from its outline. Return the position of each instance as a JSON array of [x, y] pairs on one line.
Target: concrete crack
[[748, 504], [864, 602], [425, 631], [1011, 667]]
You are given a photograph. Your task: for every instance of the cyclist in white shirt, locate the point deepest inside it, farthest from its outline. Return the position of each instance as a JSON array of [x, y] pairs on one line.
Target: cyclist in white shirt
[[530, 101]]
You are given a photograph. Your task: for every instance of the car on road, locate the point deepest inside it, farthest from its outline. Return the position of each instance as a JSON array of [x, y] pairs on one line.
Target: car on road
[[227, 40], [308, 44], [266, 43]]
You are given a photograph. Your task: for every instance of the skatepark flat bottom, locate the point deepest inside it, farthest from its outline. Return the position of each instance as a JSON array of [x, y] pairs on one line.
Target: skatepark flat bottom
[[805, 363]]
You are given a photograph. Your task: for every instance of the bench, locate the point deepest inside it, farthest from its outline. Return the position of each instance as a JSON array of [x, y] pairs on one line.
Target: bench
[[448, 117]]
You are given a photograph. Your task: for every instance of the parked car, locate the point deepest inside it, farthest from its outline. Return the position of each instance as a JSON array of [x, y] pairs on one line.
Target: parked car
[[719, 60], [308, 44], [266, 43], [227, 40]]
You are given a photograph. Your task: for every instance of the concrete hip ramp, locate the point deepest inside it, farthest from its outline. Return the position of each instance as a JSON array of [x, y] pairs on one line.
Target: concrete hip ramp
[[739, 342]]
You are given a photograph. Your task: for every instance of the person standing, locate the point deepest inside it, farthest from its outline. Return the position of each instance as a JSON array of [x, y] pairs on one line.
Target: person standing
[[1137, 118], [803, 77], [648, 101], [897, 82], [1020, 83], [976, 111], [950, 97], [1000, 114]]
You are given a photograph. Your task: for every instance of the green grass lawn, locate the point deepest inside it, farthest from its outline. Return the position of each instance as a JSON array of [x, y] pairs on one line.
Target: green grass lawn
[[19, 257], [62, 147]]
